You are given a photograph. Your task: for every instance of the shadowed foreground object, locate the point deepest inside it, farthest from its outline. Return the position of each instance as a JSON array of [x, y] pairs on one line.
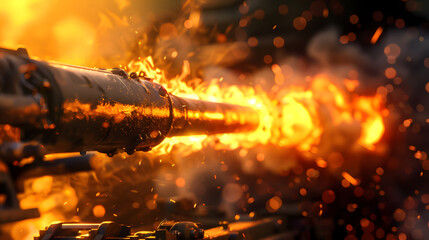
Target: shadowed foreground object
[[267, 228], [76, 109]]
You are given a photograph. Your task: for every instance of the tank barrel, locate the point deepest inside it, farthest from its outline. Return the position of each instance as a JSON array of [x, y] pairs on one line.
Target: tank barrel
[[76, 109]]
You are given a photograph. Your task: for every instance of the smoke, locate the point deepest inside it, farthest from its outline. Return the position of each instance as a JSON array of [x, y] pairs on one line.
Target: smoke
[[403, 89]]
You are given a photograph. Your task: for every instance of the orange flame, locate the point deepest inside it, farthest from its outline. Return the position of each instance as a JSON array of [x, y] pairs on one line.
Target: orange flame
[[297, 116]]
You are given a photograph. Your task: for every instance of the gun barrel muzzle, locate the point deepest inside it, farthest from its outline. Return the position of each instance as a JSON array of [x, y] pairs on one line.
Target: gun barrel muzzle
[[195, 117]]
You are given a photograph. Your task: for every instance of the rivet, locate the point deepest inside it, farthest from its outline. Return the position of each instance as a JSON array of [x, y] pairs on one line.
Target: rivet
[[162, 92]]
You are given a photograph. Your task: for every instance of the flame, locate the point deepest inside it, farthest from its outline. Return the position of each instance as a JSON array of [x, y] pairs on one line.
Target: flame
[[296, 116], [372, 121], [78, 37]]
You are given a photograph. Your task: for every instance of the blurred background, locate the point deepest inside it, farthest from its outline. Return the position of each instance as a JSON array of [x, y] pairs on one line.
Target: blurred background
[[344, 86]]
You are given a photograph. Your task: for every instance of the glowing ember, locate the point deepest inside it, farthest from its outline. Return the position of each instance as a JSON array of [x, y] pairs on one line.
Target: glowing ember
[[376, 35], [99, 211], [350, 179]]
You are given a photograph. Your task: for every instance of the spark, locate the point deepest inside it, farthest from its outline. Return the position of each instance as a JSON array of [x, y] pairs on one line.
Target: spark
[[350, 179], [376, 35]]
